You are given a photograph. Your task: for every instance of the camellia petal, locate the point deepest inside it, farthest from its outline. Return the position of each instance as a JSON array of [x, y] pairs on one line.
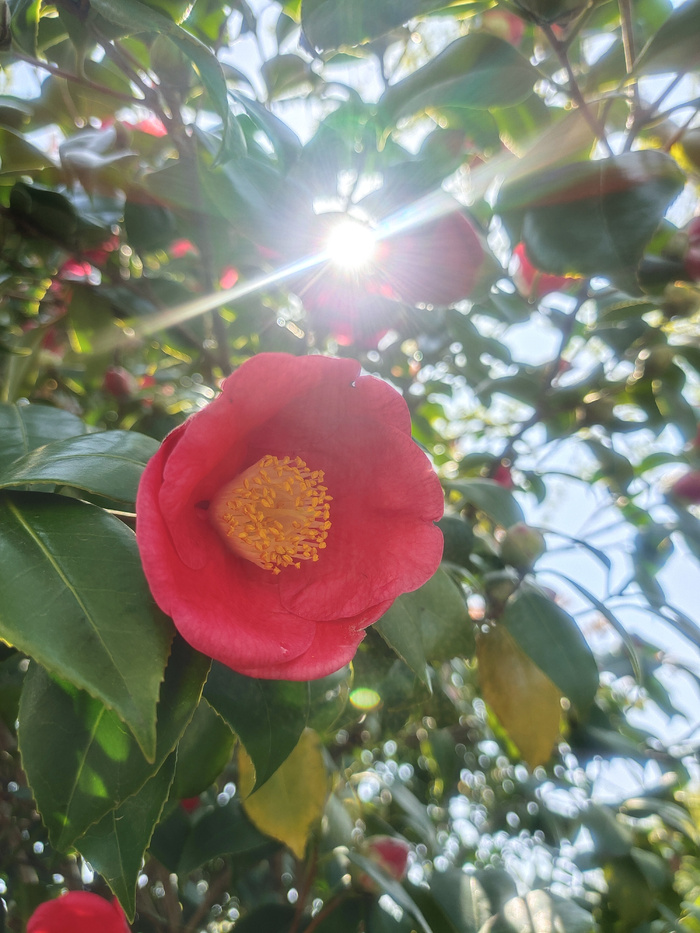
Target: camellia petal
[[282, 520], [78, 912]]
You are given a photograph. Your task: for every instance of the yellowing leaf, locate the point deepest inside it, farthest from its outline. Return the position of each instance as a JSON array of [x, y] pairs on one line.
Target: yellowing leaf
[[525, 700], [292, 800]]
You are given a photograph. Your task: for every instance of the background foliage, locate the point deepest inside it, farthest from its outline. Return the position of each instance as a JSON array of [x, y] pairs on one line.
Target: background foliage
[[164, 165]]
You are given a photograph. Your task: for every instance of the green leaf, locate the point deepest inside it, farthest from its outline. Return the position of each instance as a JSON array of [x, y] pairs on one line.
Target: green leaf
[[73, 596], [676, 45], [81, 761], [550, 637], [108, 464], [462, 898], [268, 716], [489, 497], [202, 752], [18, 155], [591, 218], [222, 831], [331, 24], [541, 912], [478, 71], [25, 24], [25, 427], [115, 846], [391, 887], [430, 624]]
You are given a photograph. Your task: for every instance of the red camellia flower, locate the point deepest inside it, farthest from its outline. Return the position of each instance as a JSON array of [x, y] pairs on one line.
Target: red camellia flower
[[78, 912], [688, 487], [284, 518]]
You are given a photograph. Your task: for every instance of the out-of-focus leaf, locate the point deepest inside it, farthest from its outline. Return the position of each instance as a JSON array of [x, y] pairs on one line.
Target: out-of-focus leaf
[[430, 624], [550, 637], [541, 912], [331, 24], [18, 155], [676, 45], [489, 497], [108, 464], [81, 760], [396, 892], [115, 846], [290, 802], [525, 700], [591, 218], [25, 427], [268, 716], [74, 597], [462, 898], [478, 71]]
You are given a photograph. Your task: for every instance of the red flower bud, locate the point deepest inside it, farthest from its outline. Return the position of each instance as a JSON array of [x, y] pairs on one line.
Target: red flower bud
[[78, 912], [688, 487], [118, 382], [522, 546], [190, 804], [503, 476], [389, 854]]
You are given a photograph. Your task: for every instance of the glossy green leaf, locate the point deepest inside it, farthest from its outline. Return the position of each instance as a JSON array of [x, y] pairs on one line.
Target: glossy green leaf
[[591, 218], [202, 752], [115, 846], [478, 71], [80, 759], [18, 155], [489, 497], [430, 624], [73, 596], [222, 831], [109, 464], [268, 716], [25, 24], [25, 427], [550, 637], [676, 45]]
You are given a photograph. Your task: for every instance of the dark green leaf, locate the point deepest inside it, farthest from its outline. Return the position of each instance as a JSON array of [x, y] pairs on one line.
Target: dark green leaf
[[551, 638], [25, 427], [74, 597], [108, 464], [331, 24], [462, 898], [390, 887], [115, 846], [81, 761], [268, 716], [222, 831], [202, 752], [591, 218], [430, 624]]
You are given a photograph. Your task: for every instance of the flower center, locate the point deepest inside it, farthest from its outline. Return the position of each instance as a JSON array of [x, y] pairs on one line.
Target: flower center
[[275, 513]]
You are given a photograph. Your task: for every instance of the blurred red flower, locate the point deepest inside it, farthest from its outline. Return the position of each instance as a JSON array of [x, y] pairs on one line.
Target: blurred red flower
[[531, 283], [78, 912], [284, 518]]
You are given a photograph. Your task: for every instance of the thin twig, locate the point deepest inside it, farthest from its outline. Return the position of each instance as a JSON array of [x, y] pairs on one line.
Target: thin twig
[[574, 90]]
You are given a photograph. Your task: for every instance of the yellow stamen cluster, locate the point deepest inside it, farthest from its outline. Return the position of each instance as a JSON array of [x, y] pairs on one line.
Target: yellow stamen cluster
[[275, 514]]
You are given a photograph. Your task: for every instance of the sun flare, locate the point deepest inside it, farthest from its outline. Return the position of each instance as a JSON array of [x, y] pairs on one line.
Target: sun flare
[[351, 245]]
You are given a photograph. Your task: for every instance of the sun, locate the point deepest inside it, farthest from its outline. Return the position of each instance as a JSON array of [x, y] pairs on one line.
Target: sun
[[351, 245]]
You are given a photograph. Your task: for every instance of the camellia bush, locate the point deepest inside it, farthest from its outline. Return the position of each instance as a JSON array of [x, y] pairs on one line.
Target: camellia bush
[[349, 466]]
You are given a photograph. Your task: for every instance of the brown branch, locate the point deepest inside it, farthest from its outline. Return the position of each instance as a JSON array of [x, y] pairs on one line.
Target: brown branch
[[216, 889], [76, 79]]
